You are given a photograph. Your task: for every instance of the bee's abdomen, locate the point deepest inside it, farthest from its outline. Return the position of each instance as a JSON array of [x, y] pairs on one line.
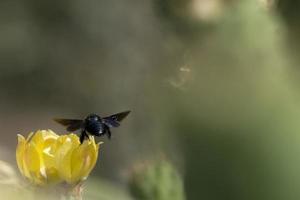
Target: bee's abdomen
[[94, 128]]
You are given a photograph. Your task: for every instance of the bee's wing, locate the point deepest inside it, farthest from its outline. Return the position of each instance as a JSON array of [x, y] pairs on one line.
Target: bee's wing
[[71, 124], [114, 120]]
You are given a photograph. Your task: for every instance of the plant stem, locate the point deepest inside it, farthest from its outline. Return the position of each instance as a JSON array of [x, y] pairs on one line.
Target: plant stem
[[72, 192]]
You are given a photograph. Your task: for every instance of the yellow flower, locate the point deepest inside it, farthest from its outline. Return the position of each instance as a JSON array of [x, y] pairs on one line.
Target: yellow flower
[[47, 158]]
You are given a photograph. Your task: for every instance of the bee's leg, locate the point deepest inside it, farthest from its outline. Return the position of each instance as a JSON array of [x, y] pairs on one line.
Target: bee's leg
[[83, 135], [107, 131]]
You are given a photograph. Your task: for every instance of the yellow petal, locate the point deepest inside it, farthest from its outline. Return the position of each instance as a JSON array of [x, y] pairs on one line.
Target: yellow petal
[[20, 155], [93, 150], [48, 160], [93, 154], [32, 161], [42, 136], [45, 142], [48, 153], [29, 136], [65, 147], [37, 139], [84, 159], [48, 147]]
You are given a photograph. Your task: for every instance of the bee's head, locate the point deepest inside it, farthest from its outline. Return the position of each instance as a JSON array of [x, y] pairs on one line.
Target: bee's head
[[92, 117]]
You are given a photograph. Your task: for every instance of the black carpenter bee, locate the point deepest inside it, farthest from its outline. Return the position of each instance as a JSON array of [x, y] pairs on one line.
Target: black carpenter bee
[[93, 124]]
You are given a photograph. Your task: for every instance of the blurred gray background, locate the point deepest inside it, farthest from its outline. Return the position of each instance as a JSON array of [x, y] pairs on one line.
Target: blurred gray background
[[213, 86]]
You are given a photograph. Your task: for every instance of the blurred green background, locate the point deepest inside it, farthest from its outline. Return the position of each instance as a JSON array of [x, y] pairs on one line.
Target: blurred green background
[[213, 86]]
